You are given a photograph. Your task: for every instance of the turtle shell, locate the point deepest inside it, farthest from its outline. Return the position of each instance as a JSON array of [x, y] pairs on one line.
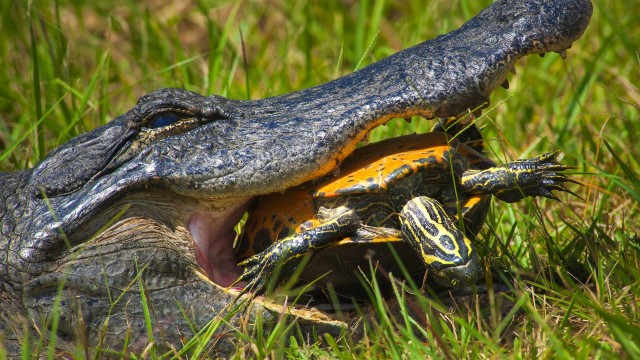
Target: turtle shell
[[275, 216], [377, 167]]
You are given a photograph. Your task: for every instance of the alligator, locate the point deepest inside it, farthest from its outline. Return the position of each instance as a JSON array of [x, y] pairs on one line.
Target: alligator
[[134, 220]]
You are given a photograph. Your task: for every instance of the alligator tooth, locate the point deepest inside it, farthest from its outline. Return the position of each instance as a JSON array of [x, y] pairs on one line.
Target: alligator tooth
[[513, 69], [505, 84], [336, 171], [563, 54]]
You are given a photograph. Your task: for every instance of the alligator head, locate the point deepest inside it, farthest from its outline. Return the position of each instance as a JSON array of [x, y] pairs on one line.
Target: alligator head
[[142, 210]]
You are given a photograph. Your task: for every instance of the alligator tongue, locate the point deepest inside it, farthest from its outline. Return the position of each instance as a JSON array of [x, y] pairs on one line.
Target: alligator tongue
[[213, 235]]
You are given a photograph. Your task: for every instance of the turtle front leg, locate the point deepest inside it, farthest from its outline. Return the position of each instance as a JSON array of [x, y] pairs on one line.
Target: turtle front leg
[[283, 257], [514, 181]]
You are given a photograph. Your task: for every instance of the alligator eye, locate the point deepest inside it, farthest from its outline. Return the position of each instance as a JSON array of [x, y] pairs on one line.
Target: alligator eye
[[164, 119]]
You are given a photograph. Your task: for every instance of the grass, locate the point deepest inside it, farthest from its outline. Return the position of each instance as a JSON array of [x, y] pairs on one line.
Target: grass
[[69, 66]]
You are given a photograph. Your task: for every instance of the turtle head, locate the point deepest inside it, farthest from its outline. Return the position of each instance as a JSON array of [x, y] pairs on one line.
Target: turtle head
[[461, 275], [443, 248]]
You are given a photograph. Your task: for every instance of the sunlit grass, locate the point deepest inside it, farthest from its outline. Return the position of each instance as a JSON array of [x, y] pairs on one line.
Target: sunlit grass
[[68, 67]]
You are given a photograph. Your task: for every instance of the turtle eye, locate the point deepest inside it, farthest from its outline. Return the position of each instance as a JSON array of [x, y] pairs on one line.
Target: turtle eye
[[164, 119]]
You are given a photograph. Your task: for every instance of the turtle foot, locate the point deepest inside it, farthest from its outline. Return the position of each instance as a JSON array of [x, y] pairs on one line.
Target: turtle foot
[[262, 270], [280, 259], [538, 176]]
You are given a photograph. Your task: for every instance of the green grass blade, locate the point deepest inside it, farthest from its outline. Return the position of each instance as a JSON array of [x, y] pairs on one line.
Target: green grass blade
[[147, 313]]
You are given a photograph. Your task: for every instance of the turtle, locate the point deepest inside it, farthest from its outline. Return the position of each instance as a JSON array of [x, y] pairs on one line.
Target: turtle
[[427, 195]]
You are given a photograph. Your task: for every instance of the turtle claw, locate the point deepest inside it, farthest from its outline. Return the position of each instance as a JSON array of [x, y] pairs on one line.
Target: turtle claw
[[538, 176], [255, 285], [257, 269]]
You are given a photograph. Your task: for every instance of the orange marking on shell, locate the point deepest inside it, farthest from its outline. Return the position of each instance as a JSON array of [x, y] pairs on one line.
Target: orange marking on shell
[[373, 166], [282, 213]]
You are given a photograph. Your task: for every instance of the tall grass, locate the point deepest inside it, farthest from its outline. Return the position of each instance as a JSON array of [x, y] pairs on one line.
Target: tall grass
[[69, 66]]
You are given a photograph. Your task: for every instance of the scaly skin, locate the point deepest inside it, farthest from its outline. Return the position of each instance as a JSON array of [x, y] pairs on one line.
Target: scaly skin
[[124, 198]]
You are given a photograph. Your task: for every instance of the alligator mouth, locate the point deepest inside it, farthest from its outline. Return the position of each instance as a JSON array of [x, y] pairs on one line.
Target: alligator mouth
[[213, 234]]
